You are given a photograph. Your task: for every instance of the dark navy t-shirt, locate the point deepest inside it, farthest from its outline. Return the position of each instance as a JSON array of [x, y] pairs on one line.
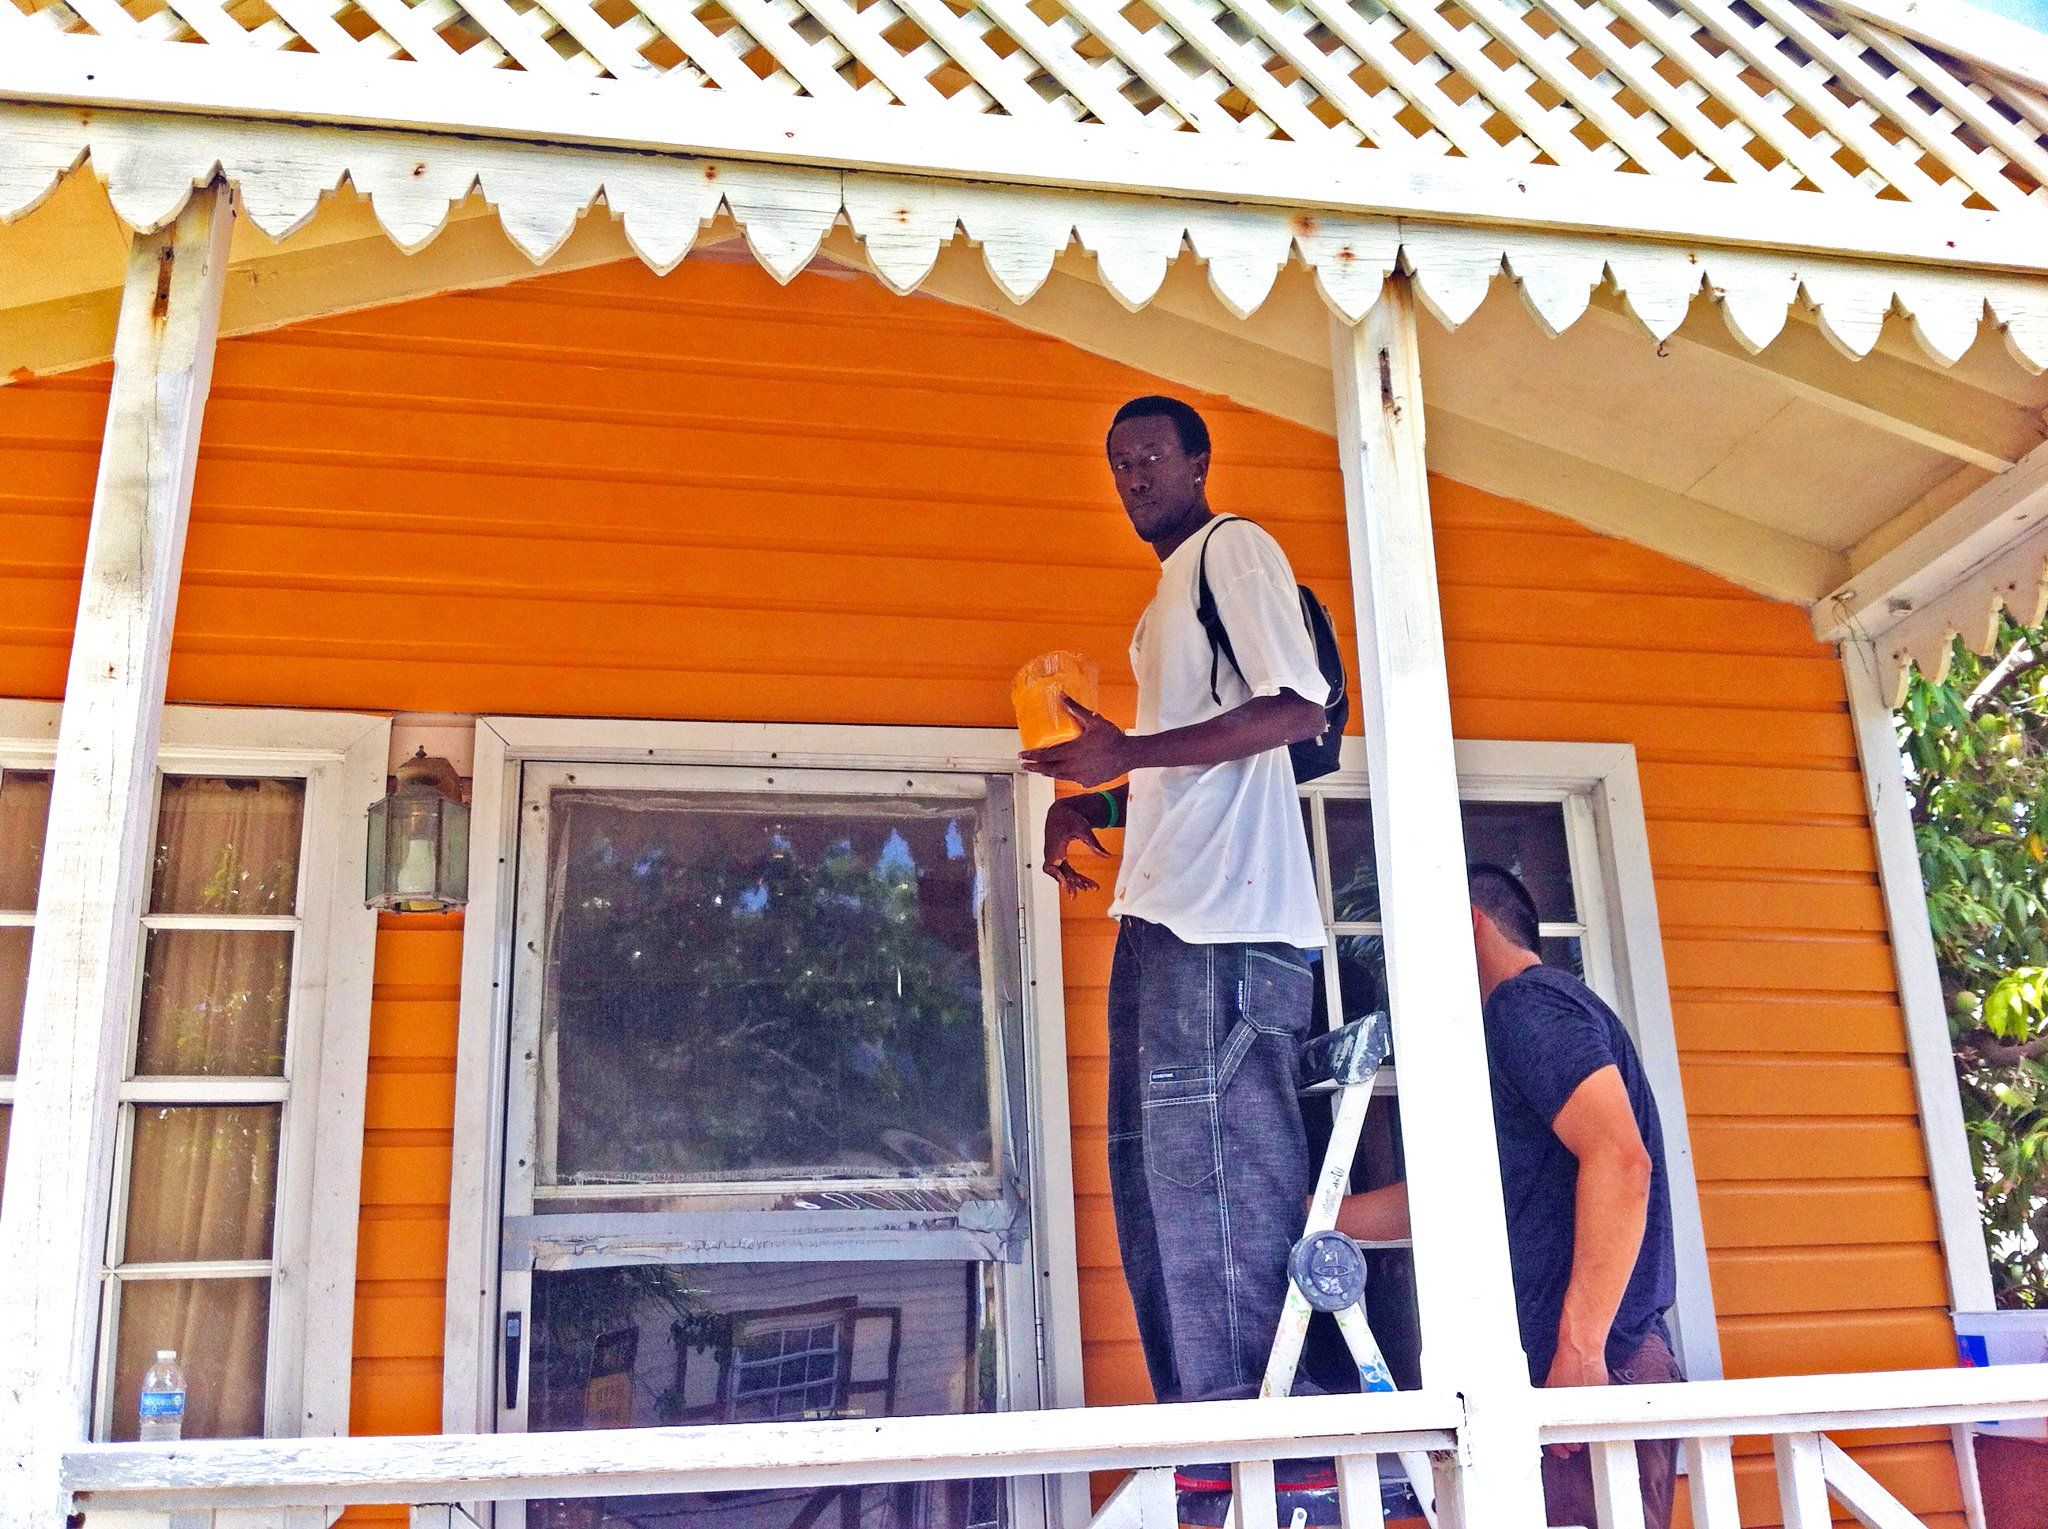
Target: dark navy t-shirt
[[1546, 1033]]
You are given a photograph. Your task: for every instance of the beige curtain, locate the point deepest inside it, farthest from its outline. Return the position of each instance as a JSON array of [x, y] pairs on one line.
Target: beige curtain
[[203, 1183], [24, 816]]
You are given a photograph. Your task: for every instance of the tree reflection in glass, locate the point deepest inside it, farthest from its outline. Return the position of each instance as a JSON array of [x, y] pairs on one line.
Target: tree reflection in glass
[[761, 988]]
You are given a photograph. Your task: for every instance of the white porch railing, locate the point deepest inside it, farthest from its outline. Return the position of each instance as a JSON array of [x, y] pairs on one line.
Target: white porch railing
[[252, 1481]]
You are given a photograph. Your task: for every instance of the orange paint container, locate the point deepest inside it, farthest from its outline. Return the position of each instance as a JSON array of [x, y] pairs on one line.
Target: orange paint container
[[1041, 719]]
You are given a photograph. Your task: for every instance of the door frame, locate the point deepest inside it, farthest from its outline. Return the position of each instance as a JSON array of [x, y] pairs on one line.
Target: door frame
[[504, 746]]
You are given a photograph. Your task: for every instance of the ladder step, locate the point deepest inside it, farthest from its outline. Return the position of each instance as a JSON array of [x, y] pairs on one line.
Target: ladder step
[[1349, 1055]]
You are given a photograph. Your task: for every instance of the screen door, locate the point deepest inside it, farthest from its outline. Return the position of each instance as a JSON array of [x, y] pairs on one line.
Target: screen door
[[765, 1146]]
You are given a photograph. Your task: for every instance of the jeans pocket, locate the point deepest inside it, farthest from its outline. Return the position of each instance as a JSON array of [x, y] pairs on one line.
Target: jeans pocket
[[1279, 993], [1181, 1140], [1276, 1001]]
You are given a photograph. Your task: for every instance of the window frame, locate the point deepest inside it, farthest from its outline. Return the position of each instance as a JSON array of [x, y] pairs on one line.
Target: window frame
[[1607, 837], [343, 759], [504, 747]]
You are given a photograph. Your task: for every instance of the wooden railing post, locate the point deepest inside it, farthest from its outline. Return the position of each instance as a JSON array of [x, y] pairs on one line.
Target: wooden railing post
[[1470, 1341], [82, 966]]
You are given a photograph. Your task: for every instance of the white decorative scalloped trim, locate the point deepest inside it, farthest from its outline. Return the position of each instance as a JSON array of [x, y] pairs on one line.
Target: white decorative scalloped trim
[[2014, 581], [150, 165]]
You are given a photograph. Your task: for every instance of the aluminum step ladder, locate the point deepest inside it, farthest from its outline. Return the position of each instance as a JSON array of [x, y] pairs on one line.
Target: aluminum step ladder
[[1326, 1272]]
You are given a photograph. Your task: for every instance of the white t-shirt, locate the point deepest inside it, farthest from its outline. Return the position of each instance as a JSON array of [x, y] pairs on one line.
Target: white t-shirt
[[1218, 854]]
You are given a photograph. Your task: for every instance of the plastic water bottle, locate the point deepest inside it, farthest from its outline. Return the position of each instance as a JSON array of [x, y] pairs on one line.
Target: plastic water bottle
[[163, 1399]]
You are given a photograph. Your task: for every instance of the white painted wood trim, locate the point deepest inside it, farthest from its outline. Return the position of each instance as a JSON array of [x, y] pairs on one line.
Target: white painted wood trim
[[104, 75], [1777, 1404], [82, 964], [615, 1462], [1919, 977], [733, 1457], [1041, 200], [1059, 1301], [1941, 571], [1710, 1482], [1860, 1492], [504, 745], [1802, 1489], [1470, 1340], [1971, 33], [1639, 951], [330, 1078], [469, 1331]]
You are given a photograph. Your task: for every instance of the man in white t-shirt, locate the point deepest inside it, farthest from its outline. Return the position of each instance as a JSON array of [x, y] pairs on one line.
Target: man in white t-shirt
[[1210, 992]]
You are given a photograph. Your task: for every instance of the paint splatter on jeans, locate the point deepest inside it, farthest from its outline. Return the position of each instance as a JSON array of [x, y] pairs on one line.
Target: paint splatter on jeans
[[1208, 1158]]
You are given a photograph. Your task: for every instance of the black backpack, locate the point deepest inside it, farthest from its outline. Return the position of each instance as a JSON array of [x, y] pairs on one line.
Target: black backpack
[[1315, 757]]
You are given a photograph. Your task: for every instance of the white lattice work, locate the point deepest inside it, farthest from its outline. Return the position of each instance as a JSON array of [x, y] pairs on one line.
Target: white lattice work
[[1772, 93]]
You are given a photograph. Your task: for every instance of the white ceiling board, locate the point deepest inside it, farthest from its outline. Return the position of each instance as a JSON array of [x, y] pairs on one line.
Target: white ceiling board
[[1826, 479], [1599, 393]]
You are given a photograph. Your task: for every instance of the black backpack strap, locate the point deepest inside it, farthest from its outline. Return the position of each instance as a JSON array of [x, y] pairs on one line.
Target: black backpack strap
[[1209, 616]]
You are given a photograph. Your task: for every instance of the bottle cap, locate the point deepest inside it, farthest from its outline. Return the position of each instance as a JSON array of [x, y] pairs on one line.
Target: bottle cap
[[167, 1353]]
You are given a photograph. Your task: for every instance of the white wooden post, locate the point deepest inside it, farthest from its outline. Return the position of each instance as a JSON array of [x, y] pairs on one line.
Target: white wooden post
[[1954, 1181], [1919, 978], [1802, 1485], [1470, 1342], [82, 968]]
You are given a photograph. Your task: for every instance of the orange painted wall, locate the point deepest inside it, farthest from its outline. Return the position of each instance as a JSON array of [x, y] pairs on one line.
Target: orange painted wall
[[704, 496]]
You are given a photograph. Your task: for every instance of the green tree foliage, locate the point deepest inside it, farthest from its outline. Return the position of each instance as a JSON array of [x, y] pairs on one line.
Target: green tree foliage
[[1976, 754], [773, 998]]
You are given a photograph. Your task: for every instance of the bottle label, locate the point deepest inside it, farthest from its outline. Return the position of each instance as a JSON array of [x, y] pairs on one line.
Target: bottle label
[[163, 1404]]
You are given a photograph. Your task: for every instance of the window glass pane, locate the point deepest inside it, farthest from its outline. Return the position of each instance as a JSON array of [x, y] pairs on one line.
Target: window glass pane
[[656, 1344], [203, 1183], [227, 845], [14, 943], [1354, 878], [1566, 954], [1362, 974], [746, 988], [1528, 838], [24, 816], [214, 1002], [220, 1329]]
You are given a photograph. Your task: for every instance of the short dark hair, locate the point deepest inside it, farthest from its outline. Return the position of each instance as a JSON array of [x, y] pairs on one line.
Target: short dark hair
[[1187, 424], [1498, 893]]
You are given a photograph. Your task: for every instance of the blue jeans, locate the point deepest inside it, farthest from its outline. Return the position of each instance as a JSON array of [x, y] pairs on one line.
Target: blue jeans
[[1209, 1167]]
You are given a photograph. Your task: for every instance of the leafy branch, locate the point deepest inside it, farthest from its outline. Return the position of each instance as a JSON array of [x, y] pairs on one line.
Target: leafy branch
[[1975, 748]]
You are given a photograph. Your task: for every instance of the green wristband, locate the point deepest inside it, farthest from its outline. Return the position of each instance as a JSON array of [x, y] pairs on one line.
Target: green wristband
[[1110, 798]]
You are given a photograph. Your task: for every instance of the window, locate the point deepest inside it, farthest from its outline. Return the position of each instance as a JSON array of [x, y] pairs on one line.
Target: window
[[1562, 818], [766, 1155], [231, 1231], [24, 812], [787, 1372]]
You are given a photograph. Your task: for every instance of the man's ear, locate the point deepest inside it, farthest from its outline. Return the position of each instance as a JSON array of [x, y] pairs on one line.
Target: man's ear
[[1201, 461]]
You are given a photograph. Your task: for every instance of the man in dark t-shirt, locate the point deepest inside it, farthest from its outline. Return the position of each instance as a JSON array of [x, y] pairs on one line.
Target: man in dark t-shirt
[[1582, 1176]]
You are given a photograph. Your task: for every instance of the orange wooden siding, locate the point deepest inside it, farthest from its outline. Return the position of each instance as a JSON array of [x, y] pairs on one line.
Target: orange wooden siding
[[704, 496]]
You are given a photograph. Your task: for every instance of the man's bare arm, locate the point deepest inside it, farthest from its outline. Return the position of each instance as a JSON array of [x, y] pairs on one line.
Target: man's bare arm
[[1104, 752], [1598, 1126], [1376, 1215]]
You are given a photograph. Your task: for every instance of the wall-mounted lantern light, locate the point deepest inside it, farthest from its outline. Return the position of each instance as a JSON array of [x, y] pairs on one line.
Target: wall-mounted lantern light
[[419, 841]]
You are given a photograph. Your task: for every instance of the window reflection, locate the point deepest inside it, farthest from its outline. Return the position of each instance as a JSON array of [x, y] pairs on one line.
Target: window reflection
[[758, 988], [656, 1344]]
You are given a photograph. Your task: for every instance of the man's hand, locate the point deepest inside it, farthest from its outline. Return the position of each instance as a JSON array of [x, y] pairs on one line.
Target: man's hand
[[1576, 1364], [1064, 825], [1100, 755]]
